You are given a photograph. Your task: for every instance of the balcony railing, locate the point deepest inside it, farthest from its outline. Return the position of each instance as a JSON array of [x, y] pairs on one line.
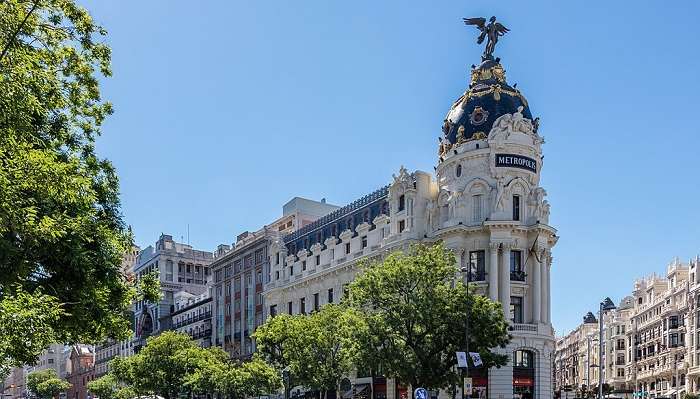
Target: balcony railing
[[202, 316], [517, 275]]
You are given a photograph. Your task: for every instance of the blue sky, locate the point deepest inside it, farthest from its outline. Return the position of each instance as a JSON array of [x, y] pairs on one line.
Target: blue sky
[[224, 110]]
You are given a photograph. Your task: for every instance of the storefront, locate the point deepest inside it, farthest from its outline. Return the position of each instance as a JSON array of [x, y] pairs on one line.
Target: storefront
[[523, 374]]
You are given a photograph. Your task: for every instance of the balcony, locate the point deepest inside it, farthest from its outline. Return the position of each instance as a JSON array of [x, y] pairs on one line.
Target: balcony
[[517, 275], [202, 316]]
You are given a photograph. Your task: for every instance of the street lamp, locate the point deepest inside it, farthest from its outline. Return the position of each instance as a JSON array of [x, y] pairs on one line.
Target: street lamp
[[606, 305], [466, 270]]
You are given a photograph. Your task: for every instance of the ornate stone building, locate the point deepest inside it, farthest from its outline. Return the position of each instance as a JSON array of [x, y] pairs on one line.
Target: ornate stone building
[[651, 340], [484, 202]]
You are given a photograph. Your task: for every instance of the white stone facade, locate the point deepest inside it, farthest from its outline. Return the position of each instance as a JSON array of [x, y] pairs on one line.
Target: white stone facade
[[493, 214]]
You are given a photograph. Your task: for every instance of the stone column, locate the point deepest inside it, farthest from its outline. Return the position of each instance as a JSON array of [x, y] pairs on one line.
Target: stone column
[[536, 290], [546, 300], [504, 289], [493, 271]]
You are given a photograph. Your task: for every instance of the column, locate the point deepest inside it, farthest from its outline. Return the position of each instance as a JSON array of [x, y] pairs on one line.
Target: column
[[536, 289], [493, 271], [504, 289], [546, 300]]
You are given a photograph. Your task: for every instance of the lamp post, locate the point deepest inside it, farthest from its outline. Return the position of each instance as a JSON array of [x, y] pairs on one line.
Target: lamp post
[[467, 270], [606, 305]]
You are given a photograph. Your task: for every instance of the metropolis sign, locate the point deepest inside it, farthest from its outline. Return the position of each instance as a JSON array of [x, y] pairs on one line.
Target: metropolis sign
[[516, 161]]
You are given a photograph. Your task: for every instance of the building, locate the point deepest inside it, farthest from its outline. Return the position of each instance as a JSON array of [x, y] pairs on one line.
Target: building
[[651, 340], [180, 268], [240, 271], [484, 202], [14, 384], [81, 370], [193, 316], [575, 355], [111, 348]]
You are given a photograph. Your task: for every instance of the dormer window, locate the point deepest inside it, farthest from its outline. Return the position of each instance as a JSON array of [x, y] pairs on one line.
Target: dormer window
[[402, 202]]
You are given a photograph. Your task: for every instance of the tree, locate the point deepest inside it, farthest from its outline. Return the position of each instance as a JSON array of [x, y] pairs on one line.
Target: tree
[[172, 364], [160, 368], [318, 349], [62, 236], [105, 387], [45, 384], [415, 312]]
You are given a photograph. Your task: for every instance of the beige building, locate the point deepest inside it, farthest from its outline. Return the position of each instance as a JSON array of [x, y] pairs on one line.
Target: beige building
[[651, 340], [241, 270]]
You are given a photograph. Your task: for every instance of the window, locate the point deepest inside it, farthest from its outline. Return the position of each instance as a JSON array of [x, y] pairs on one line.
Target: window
[[289, 307], [364, 242], [673, 340], [318, 260], [523, 359], [516, 266], [476, 211], [347, 248], [189, 268], [302, 305], [316, 302], [458, 172], [402, 226], [168, 270], [259, 255], [516, 309], [291, 270], [620, 372], [277, 258], [277, 274], [330, 296], [402, 202], [477, 265], [516, 207], [303, 265]]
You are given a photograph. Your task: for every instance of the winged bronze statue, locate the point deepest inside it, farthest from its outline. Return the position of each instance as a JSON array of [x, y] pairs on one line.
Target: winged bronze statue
[[491, 31]]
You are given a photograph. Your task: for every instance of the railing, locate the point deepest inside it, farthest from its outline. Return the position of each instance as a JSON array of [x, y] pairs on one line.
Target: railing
[[202, 316], [357, 204], [524, 327], [517, 275], [202, 334], [477, 276]]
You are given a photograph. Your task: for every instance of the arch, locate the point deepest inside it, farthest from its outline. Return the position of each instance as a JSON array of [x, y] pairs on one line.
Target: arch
[[524, 361]]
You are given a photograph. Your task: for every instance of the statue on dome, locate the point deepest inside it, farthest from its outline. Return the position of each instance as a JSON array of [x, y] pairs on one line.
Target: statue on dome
[[491, 31]]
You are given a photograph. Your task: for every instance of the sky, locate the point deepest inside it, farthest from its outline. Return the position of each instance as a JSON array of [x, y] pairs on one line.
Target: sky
[[225, 110]]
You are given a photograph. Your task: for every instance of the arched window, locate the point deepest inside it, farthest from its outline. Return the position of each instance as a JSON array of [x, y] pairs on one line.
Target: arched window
[[524, 374]]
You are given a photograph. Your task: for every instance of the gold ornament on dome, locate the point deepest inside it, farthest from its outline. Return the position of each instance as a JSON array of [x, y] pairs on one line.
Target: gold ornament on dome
[[460, 135], [478, 136], [496, 92], [495, 72]]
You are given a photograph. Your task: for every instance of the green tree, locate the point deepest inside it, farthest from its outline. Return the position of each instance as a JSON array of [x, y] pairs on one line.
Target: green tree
[[62, 236], [318, 349], [172, 364], [45, 384], [415, 312], [249, 379], [105, 387]]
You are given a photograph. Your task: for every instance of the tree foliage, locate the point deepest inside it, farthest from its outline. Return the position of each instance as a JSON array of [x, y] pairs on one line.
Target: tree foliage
[[61, 231], [172, 364], [415, 315], [45, 384], [318, 349]]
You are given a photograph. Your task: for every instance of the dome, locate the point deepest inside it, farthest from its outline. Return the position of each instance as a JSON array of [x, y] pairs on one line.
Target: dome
[[489, 96]]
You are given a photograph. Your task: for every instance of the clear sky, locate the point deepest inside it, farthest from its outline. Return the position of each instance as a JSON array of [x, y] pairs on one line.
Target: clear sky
[[224, 110]]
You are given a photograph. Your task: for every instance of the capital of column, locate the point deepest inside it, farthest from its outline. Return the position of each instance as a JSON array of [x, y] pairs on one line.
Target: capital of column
[[494, 245]]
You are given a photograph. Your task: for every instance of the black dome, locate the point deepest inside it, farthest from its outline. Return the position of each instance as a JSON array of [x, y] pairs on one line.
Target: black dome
[[489, 96]]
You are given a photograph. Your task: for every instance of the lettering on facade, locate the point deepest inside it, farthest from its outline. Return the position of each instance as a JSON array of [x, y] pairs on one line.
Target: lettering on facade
[[516, 161]]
